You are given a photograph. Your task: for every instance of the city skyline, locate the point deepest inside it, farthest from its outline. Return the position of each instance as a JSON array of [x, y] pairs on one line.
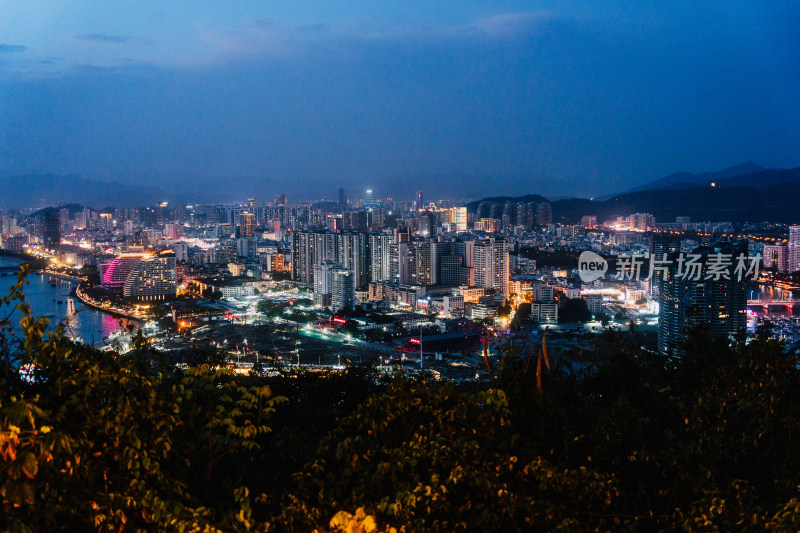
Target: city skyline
[[477, 98], [384, 266]]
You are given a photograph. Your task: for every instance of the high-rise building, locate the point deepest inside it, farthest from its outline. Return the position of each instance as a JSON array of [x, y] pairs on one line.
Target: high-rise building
[[689, 300], [181, 250], [488, 225], [342, 198], [406, 263], [375, 219], [490, 259], [369, 200], [325, 246], [427, 225], [280, 199], [777, 256], [314, 247], [303, 258], [51, 227], [793, 259], [333, 222], [352, 254], [8, 226], [114, 273], [357, 220], [152, 279], [525, 215], [394, 262], [342, 289], [64, 222], [415, 263], [274, 262], [661, 244], [544, 214], [420, 200], [380, 249], [642, 221], [15, 243], [594, 302], [248, 223], [246, 247], [461, 219], [323, 282], [425, 272], [450, 264], [172, 231]]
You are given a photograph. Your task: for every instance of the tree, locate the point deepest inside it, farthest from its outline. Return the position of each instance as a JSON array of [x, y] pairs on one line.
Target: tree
[[504, 310], [574, 310], [610, 436], [524, 311], [435, 458], [97, 440]]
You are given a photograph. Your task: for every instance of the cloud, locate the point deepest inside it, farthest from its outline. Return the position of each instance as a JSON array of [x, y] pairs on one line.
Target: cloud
[[103, 38], [11, 48], [257, 37], [509, 25]]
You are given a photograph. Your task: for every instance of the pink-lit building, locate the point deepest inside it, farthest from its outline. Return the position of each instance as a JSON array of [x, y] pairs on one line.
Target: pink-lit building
[[114, 274]]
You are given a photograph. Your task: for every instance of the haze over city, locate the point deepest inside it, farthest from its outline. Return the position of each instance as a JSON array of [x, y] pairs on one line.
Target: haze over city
[[464, 99]]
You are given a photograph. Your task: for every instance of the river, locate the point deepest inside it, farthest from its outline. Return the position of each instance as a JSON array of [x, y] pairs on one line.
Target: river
[[54, 300]]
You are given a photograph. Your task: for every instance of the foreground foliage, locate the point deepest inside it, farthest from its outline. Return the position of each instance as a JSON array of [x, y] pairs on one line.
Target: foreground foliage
[[93, 440], [614, 439]]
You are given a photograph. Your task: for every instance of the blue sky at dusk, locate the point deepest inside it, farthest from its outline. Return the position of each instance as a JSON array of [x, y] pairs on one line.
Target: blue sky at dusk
[[462, 99]]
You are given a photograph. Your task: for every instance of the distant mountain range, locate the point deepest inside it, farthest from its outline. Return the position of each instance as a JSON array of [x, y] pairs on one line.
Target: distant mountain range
[[683, 180], [744, 193], [42, 190]]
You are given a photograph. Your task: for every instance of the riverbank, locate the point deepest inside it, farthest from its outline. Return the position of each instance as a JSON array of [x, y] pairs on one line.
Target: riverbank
[[50, 297], [37, 263], [85, 300], [58, 275]]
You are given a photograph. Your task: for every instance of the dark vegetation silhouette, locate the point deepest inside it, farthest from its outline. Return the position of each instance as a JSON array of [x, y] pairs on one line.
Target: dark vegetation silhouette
[[615, 438]]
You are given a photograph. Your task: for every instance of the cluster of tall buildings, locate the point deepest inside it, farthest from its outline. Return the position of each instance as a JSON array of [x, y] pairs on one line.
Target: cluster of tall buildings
[[438, 255], [396, 259], [526, 214]]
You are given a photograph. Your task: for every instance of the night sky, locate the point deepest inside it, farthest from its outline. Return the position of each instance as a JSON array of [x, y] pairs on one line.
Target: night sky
[[460, 98]]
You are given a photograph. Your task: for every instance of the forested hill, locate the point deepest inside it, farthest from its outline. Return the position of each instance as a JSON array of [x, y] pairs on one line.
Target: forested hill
[[776, 203]]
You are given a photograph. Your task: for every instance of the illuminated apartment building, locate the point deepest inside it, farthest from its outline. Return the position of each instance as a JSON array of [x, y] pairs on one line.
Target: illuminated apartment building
[[152, 279], [114, 274], [693, 301]]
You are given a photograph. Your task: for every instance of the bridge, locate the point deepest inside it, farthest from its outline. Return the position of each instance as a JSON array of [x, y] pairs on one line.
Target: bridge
[[767, 302]]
